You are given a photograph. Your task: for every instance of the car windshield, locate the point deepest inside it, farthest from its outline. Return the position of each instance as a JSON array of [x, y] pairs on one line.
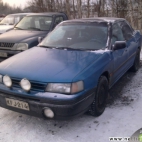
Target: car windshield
[[10, 20], [41, 23], [1, 18], [83, 36]]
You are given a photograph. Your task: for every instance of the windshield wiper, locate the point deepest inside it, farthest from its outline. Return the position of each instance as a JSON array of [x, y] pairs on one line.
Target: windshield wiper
[[46, 46], [66, 48], [34, 28], [72, 48], [18, 28]]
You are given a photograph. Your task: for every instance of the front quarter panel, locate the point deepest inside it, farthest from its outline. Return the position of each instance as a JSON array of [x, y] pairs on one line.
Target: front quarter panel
[[92, 73]]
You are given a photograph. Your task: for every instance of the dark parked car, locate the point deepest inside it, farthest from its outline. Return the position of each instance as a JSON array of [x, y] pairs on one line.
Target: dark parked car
[[10, 21], [71, 70], [26, 33], [2, 16]]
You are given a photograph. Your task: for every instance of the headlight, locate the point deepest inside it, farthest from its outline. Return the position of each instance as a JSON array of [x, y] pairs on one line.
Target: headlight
[[66, 88], [25, 84], [7, 81], [58, 88], [20, 46]]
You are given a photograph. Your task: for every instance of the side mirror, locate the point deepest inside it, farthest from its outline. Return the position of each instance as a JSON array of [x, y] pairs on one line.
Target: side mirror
[[40, 39], [119, 45]]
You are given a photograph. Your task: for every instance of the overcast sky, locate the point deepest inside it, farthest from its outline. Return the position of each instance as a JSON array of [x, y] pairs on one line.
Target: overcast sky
[[21, 3]]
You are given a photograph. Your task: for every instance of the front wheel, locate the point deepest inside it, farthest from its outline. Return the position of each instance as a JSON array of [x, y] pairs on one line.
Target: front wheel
[[136, 64], [99, 103]]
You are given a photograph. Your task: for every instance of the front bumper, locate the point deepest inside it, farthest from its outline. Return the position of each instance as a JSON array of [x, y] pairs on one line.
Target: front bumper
[[65, 108]]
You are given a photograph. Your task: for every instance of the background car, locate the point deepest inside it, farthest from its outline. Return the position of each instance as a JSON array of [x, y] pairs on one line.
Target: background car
[[2, 16], [10, 21], [26, 33], [71, 70]]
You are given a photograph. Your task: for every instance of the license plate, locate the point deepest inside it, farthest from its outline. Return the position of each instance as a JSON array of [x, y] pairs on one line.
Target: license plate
[[17, 104], [3, 54]]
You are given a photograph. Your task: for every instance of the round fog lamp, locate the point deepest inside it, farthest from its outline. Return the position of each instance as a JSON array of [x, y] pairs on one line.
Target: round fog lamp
[[48, 112], [25, 84], [7, 81]]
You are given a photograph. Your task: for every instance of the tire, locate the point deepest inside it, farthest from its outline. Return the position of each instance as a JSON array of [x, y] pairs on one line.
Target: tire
[[101, 94], [136, 64]]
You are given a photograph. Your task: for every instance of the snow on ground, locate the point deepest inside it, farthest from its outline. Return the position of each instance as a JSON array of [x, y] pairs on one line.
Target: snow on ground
[[122, 117]]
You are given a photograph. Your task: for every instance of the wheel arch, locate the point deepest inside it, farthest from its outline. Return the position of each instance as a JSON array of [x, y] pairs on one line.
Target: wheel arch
[[139, 47], [107, 75]]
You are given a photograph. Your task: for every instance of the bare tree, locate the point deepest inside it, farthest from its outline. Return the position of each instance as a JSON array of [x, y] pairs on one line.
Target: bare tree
[[129, 9], [68, 8], [79, 8], [88, 8], [74, 11], [131, 12], [6, 9]]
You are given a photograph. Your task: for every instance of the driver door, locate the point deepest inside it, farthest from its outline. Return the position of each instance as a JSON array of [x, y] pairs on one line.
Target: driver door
[[119, 56]]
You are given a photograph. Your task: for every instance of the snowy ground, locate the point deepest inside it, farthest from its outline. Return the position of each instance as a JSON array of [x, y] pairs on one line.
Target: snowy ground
[[122, 117]]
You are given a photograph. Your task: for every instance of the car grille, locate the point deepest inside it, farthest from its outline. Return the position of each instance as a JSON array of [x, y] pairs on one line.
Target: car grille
[[4, 44], [35, 86]]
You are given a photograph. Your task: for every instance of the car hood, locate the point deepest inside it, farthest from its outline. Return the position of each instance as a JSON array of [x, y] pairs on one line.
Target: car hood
[[16, 36], [4, 28], [48, 65]]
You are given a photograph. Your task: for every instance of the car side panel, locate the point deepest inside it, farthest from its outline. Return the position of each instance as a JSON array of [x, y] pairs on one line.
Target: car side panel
[[134, 43], [120, 63], [92, 73]]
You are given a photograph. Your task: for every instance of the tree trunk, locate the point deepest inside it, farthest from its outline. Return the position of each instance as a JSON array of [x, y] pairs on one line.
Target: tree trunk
[[131, 12], [99, 8], [88, 8], [74, 11], [79, 4], [140, 15], [68, 9]]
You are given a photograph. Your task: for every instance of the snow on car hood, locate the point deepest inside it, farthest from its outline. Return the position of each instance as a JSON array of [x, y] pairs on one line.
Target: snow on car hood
[[48, 65], [4, 28]]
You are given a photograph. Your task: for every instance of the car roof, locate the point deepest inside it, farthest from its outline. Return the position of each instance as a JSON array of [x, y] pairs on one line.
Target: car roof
[[19, 14], [98, 19], [48, 13]]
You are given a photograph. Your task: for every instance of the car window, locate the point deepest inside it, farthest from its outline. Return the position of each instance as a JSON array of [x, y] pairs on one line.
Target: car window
[[130, 26], [22, 16], [60, 33], [117, 34], [78, 36], [17, 19], [58, 20], [35, 23], [8, 20], [126, 30]]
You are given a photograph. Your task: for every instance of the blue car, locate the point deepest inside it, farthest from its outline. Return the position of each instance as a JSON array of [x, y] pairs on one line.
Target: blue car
[[71, 70]]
